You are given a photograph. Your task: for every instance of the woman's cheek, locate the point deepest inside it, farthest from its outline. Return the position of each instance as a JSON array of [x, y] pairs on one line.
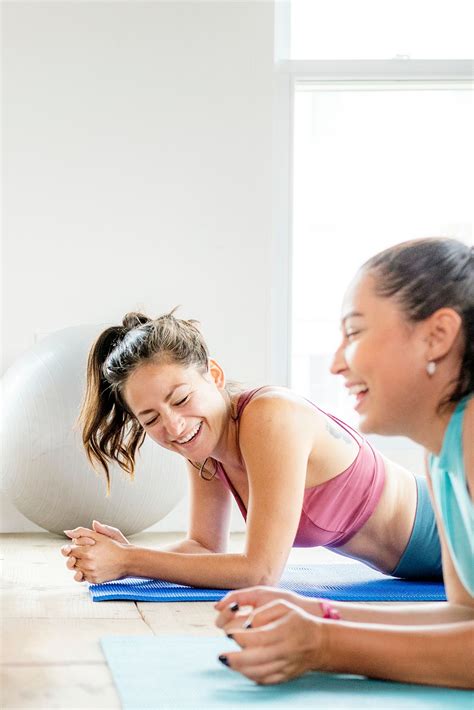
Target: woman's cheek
[[156, 436]]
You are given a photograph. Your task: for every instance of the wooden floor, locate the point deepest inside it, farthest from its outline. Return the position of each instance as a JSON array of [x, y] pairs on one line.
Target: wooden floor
[[50, 652]]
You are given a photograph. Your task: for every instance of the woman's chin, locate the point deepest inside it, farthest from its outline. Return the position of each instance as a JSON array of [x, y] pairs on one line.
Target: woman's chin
[[364, 426], [368, 424]]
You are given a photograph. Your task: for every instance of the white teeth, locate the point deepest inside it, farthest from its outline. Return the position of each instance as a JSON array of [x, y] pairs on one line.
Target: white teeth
[[357, 389], [190, 435]]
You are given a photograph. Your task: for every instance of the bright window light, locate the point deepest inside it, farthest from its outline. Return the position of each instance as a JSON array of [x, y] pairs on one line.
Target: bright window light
[[373, 166], [382, 29]]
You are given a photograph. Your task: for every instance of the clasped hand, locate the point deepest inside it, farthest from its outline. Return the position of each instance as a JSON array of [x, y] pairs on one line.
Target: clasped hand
[[96, 555], [279, 640]]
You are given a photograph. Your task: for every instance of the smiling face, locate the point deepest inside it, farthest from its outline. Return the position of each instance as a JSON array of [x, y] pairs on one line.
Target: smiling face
[[180, 408], [382, 358]]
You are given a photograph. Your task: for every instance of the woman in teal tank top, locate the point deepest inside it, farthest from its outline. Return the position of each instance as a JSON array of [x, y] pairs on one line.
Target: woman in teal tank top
[[407, 354], [451, 493]]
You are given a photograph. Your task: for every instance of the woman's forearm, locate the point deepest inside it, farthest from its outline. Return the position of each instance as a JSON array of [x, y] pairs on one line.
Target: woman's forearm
[[432, 655], [403, 614], [220, 570], [186, 546]]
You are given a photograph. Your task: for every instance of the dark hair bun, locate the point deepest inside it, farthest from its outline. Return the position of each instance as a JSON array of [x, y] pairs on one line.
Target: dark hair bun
[[134, 320]]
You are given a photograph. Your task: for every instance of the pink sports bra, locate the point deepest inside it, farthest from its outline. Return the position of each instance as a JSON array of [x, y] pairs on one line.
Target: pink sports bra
[[335, 510]]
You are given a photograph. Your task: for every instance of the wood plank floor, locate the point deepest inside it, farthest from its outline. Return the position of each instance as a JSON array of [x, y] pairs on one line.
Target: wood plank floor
[[50, 652]]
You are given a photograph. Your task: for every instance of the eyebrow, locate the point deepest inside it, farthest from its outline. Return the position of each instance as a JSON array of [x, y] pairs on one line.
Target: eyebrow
[[352, 314], [167, 398]]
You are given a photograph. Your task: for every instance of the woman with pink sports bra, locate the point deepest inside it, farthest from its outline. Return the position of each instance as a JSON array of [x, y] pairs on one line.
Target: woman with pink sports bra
[[300, 476]]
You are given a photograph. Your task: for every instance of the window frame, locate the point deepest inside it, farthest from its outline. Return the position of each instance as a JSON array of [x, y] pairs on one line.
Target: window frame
[[288, 74]]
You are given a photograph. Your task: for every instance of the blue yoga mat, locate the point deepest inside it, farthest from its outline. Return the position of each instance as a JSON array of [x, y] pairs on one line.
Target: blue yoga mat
[[341, 582], [177, 672]]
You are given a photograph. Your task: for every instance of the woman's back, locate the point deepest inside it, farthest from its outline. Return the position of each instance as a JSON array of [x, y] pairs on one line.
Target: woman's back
[[365, 509]]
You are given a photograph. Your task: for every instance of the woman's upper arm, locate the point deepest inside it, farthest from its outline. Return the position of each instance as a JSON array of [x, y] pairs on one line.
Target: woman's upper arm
[[275, 438], [455, 591], [209, 511], [468, 446]]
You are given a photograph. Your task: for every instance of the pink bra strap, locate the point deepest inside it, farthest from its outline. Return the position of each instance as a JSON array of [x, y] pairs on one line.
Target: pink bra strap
[[245, 398]]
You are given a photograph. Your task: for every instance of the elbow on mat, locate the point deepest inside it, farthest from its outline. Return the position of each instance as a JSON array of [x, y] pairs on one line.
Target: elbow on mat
[[260, 577]]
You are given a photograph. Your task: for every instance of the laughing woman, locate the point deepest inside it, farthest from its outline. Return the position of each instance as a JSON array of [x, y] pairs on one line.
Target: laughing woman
[[408, 347], [299, 475]]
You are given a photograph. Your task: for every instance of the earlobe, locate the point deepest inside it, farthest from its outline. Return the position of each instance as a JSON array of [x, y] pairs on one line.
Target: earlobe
[[217, 373]]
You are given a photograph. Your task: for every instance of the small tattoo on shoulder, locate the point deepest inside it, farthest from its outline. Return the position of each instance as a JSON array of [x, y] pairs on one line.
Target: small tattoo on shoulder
[[338, 433]]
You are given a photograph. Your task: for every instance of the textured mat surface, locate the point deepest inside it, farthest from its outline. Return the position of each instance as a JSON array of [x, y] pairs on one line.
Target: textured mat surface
[[174, 672], [341, 582]]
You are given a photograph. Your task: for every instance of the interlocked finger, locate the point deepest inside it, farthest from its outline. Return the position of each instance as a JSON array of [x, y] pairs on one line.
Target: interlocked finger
[[71, 562], [256, 663], [80, 552], [79, 576], [83, 540], [81, 532], [270, 612]]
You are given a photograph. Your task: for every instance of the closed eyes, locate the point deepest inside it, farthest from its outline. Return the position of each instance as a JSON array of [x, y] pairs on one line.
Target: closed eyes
[[350, 334], [176, 404], [182, 401]]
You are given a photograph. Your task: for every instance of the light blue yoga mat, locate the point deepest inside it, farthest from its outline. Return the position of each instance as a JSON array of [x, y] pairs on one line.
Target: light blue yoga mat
[[174, 672], [340, 582]]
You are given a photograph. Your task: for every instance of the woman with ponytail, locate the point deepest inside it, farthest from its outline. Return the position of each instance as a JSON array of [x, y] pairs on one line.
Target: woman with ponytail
[[300, 476]]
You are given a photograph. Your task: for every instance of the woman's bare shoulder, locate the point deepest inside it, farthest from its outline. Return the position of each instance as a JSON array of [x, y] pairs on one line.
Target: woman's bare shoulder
[[278, 399], [280, 412]]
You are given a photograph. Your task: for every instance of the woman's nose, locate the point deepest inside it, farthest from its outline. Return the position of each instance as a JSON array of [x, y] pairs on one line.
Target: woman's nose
[[175, 425], [338, 364]]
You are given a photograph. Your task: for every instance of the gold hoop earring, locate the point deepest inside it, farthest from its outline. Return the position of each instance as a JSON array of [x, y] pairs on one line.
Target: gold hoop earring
[[232, 407], [202, 469]]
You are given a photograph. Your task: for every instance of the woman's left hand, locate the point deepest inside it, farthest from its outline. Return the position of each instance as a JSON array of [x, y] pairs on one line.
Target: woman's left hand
[[282, 643], [102, 560]]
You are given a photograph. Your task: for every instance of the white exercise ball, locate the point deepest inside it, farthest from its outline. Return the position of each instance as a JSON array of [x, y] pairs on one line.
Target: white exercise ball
[[45, 472]]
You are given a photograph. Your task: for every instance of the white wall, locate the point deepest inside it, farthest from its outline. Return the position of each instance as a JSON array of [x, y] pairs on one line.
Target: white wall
[[138, 172]]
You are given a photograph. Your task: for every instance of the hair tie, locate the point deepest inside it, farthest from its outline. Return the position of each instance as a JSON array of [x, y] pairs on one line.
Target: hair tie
[[328, 611]]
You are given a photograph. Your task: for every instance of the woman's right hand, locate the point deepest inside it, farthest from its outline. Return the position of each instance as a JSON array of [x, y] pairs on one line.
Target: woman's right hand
[[282, 643], [79, 537], [251, 597]]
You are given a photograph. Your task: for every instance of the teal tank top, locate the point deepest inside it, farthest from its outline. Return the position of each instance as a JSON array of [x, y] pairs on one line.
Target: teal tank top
[[451, 494]]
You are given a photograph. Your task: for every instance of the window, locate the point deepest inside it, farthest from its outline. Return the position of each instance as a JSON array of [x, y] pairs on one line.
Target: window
[[373, 145], [374, 163]]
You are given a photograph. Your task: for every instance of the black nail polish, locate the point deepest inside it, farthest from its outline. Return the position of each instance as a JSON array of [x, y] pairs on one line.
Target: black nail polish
[[230, 636], [248, 625], [234, 607], [223, 660]]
